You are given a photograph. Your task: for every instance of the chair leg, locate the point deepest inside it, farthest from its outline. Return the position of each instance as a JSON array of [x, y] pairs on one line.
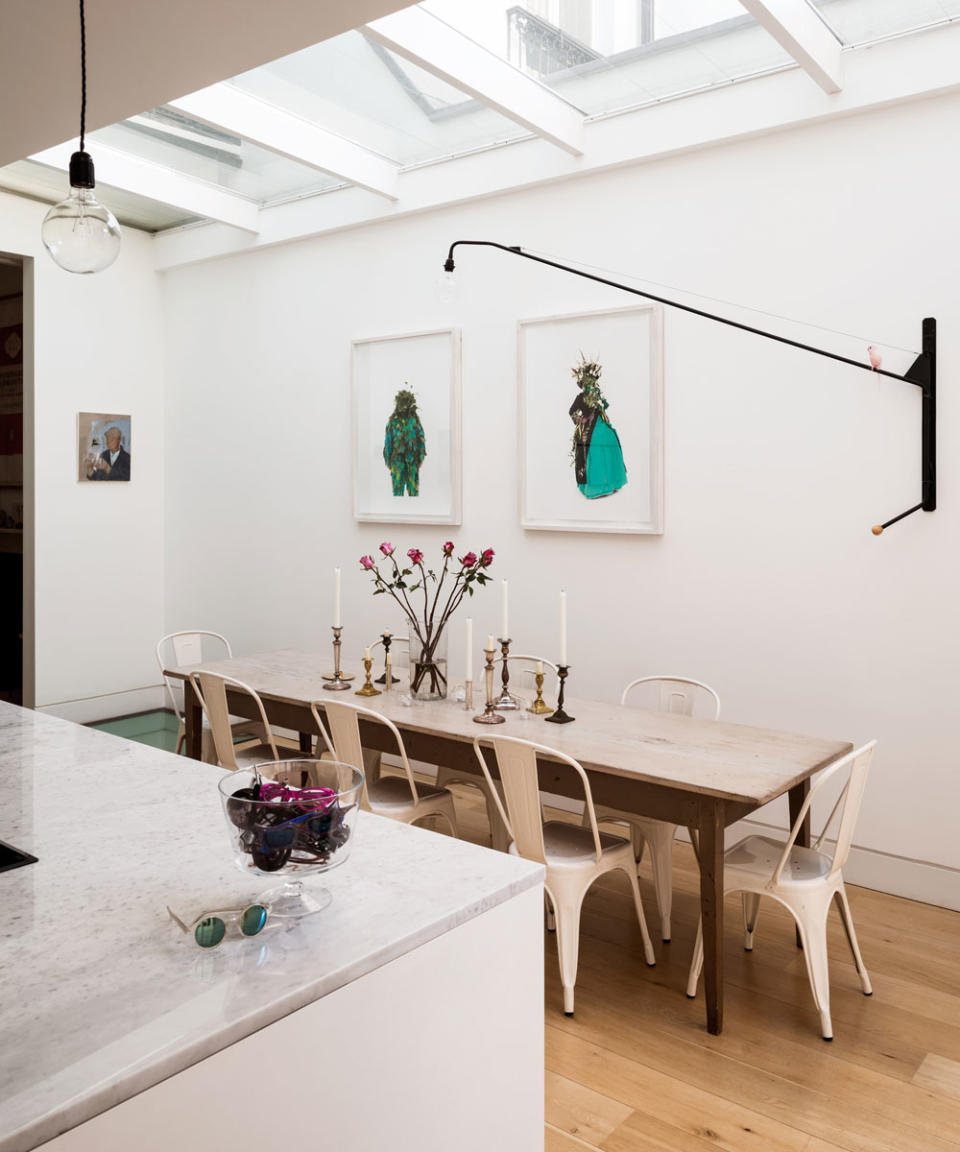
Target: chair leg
[[567, 908], [446, 810], [641, 919], [813, 940], [840, 896], [548, 910], [751, 911], [181, 740], [696, 963], [661, 862]]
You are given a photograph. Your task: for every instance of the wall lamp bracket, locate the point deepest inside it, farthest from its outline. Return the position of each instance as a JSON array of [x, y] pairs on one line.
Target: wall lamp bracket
[[922, 372]]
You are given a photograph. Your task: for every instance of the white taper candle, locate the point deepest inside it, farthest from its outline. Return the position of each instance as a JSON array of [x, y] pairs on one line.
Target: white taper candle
[[505, 618], [336, 597], [468, 662], [563, 628]]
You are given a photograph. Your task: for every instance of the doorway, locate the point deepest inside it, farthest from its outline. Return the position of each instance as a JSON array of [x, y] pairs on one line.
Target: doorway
[[13, 508]]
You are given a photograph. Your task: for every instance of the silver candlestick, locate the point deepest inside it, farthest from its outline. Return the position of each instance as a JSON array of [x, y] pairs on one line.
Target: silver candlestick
[[506, 701], [339, 681], [489, 715]]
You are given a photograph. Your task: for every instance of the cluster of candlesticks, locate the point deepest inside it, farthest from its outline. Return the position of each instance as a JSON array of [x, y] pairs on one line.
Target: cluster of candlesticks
[[495, 703]]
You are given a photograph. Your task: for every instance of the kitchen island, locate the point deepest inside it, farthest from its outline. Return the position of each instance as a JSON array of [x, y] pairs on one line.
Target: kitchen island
[[408, 1014]]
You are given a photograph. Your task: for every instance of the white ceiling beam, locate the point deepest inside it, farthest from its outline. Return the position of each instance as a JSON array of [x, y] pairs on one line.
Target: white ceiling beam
[[161, 184], [425, 40], [243, 115], [798, 28]]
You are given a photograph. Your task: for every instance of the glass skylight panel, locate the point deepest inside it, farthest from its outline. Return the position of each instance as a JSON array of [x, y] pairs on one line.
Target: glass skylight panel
[[859, 22], [173, 140], [369, 95], [604, 55], [50, 185]]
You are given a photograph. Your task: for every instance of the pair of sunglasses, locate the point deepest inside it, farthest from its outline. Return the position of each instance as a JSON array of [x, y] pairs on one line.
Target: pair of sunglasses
[[209, 929], [286, 795]]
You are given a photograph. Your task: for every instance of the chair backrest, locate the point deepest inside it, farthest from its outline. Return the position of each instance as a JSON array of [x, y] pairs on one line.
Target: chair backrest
[[520, 658], [399, 653], [179, 648], [343, 720], [517, 765], [211, 689], [856, 764], [677, 694]]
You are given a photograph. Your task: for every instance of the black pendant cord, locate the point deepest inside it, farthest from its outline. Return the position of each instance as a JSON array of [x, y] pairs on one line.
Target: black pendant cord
[[83, 77], [921, 373]]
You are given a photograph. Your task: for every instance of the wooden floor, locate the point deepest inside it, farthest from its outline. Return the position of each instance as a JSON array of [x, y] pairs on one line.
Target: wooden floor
[[636, 1071]]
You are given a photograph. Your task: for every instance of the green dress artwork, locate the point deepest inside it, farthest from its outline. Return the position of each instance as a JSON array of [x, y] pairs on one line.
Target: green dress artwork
[[404, 445], [597, 455]]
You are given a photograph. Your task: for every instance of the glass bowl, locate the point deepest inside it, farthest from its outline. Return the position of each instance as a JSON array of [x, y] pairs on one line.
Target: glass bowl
[[292, 818]]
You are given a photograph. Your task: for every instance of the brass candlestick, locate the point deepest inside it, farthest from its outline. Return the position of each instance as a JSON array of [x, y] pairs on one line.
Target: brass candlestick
[[560, 717], [506, 702], [367, 689], [387, 640], [489, 715], [540, 707], [339, 681]]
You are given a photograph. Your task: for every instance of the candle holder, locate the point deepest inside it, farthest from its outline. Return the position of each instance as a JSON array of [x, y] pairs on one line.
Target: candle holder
[[506, 701], [540, 707], [560, 717], [489, 715], [387, 639], [339, 681], [367, 689], [468, 695]]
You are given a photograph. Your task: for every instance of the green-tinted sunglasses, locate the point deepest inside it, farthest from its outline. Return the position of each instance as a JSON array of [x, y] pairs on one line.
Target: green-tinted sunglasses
[[209, 929]]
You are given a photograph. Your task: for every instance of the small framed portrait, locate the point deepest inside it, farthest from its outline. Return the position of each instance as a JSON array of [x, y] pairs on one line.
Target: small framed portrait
[[591, 421], [104, 447], [406, 428]]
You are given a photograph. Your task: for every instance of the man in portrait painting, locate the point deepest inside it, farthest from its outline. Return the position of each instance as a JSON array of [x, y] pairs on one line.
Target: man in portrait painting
[[113, 463]]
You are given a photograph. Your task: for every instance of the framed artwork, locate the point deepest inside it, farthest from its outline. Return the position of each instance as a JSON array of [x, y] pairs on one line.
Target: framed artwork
[[591, 421], [406, 428], [104, 447]]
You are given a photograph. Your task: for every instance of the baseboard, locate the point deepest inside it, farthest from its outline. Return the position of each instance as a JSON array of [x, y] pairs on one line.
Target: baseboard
[[113, 704]]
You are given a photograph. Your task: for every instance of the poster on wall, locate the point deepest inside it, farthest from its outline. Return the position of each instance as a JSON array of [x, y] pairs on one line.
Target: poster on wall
[[104, 447], [406, 428], [591, 421]]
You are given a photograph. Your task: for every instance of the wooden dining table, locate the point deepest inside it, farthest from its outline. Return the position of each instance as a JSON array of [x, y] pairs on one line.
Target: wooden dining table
[[701, 774]]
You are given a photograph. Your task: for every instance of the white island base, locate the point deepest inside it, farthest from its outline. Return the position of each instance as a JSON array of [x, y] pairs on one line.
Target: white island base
[[440, 1049]]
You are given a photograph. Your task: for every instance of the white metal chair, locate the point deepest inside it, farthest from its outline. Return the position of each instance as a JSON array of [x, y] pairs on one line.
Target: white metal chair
[[574, 856], [211, 689], [398, 797], [803, 880], [193, 648], [671, 694]]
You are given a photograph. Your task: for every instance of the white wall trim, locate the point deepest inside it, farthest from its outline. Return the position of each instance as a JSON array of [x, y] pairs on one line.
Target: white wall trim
[[93, 708]]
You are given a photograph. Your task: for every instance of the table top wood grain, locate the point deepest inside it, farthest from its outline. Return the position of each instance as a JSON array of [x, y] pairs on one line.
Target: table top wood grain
[[734, 762]]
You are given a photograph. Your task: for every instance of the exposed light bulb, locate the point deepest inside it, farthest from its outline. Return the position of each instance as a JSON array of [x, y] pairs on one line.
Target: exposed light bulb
[[447, 287], [80, 233]]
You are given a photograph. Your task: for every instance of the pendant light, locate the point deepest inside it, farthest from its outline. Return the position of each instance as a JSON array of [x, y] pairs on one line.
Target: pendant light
[[80, 233]]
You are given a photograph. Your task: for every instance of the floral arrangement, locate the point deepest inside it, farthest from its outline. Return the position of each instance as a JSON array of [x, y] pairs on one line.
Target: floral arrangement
[[428, 620]]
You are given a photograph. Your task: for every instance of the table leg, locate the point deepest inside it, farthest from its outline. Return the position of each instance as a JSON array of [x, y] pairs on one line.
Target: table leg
[[796, 796], [306, 743], [710, 853], [193, 722]]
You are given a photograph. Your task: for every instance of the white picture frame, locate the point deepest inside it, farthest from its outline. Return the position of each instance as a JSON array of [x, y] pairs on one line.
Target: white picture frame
[[428, 364], [628, 344]]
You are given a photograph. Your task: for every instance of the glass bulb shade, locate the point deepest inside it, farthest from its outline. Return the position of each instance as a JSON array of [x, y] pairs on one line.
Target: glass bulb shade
[[80, 234], [447, 288]]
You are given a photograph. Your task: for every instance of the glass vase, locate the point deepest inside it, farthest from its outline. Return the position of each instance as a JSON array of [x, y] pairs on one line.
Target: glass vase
[[428, 667]]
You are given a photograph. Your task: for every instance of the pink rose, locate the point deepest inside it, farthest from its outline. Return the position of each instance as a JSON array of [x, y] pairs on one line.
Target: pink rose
[[386, 549], [469, 560], [448, 548], [415, 555], [486, 557], [367, 562]]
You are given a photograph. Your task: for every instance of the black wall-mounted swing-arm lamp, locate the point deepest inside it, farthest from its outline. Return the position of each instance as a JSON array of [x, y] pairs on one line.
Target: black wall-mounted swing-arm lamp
[[922, 372]]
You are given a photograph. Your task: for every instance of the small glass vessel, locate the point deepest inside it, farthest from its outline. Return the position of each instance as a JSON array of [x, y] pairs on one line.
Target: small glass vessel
[[428, 668], [292, 818]]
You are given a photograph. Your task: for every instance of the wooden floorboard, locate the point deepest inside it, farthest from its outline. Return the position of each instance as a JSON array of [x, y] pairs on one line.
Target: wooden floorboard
[[636, 1071]]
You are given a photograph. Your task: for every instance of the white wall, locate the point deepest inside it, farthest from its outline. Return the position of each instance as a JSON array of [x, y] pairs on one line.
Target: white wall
[[98, 548], [767, 582]]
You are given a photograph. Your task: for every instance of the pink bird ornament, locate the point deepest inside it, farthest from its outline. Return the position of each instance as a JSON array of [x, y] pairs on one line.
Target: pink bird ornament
[[875, 358]]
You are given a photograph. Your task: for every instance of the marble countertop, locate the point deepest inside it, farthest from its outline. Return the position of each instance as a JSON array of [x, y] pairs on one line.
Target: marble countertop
[[100, 997]]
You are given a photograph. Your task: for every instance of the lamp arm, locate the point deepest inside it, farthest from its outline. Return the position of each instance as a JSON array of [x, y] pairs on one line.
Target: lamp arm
[[922, 372]]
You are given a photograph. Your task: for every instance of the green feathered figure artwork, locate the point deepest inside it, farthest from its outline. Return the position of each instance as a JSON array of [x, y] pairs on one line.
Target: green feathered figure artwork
[[404, 445], [597, 456]]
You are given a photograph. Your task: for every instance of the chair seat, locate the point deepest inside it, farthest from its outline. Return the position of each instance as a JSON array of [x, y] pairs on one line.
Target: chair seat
[[757, 856], [394, 792], [253, 754], [570, 844]]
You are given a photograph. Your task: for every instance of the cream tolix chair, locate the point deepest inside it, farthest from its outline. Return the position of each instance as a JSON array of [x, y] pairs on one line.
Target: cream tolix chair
[[211, 689], [685, 697], [804, 880], [574, 856]]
